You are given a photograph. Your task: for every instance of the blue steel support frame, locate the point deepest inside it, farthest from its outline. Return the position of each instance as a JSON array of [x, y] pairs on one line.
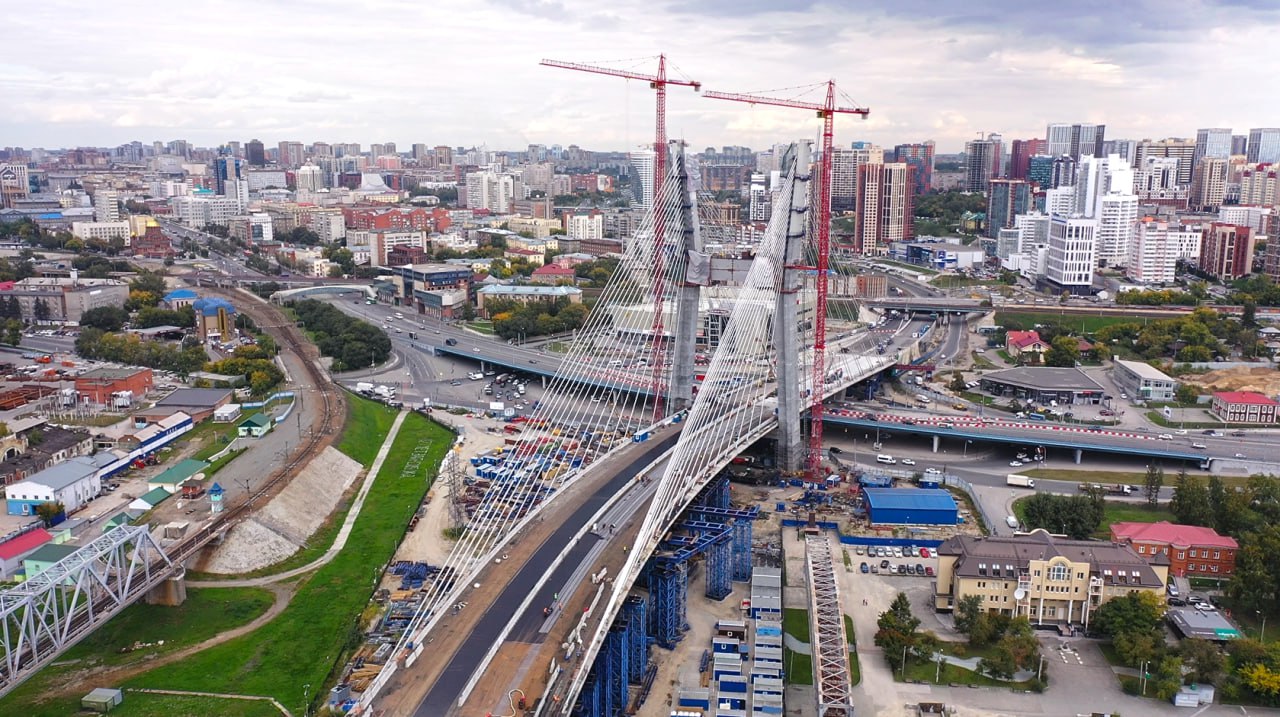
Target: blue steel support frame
[[742, 523], [638, 647], [667, 589], [616, 644], [589, 704], [719, 568]]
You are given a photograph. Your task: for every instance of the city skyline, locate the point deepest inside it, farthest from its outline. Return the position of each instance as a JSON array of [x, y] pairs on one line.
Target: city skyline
[[471, 76]]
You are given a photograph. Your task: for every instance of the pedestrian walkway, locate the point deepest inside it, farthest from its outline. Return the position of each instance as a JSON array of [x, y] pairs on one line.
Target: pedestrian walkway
[[343, 533]]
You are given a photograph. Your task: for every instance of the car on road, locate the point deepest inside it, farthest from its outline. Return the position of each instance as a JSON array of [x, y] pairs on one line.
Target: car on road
[[1124, 395], [1106, 412], [1165, 437], [1199, 446], [1015, 464], [1180, 432], [860, 550], [864, 568], [908, 462], [1240, 455], [1239, 434], [933, 471], [455, 382]]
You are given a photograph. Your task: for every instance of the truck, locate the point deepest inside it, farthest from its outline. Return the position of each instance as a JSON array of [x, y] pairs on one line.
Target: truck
[[1020, 481], [384, 391], [364, 387], [1109, 489]]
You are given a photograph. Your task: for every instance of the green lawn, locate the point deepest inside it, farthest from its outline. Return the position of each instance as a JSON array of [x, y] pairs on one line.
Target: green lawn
[[308, 641], [795, 622], [1116, 512], [368, 423], [142, 704], [215, 440], [930, 673], [909, 267], [798, 667], [981, 362], [855, 671], [1020, 320], [947, 282], [207, 612], [484, 326]]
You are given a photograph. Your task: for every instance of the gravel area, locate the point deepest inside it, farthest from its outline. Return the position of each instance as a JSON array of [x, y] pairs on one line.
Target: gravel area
[[281, 527]]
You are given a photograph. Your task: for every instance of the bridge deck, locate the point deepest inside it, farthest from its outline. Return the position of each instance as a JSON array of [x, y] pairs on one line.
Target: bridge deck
[[459, 642]]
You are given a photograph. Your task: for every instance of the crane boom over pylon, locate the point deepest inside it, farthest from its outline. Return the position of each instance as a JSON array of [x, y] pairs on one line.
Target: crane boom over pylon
[[658, 83], [827, 112]]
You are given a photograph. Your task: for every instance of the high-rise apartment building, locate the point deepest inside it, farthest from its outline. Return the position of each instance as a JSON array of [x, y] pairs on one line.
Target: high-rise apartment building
[[309, 178], [1117, 215], [1007, 199], [1104, 191], [106, 205], [420, 151], [487, 189], [1020, 154], [1126, 148], [1226, 250], [321, 149], [585, 226], [1156, 183], [759, 199], [1264, 145], [1075, 140], [1156, 249], [642, 165], [1099, 176], [920, 158], [444, 155], [1072, 254], [15, 184], [844, 172], [1239, 145], [1060, 201], [1208, 184], [1063, 172], [1039, 171], [291, 154], [1181, 149], [254, 153], [1213, 142], [1259, 186], [226, 168], [884, 207], [982, 163]]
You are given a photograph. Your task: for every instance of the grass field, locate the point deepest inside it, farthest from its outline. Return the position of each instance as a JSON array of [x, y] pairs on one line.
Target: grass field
[[855, 670], [207, 612], [981, 362], [305, 643], [1113, 512], [142, 704], [367, 425], [799, 667], [1075, 322]]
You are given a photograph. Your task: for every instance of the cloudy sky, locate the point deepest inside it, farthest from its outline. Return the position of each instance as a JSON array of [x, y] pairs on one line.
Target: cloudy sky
[[466, 72]]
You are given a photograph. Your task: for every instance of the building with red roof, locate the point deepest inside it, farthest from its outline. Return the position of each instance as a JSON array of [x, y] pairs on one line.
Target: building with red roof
[[1018, 343], [552, 274], [1190, 549], [13, 550], [1243, 407]]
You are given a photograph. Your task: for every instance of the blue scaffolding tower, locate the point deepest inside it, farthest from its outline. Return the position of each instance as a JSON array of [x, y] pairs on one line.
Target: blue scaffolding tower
[[713, 540], [741, 522], [616, 653], [590, 700], [714, 495], [638, 658], [668, 586]]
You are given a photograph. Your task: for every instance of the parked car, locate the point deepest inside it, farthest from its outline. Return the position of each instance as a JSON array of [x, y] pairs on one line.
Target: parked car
[[924, 552], [884, 564], [919, 568], [864, 568], [928, 570]]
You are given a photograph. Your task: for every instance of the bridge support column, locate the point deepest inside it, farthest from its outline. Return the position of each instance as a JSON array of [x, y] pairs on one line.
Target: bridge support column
[[1079, 455], [172, 592], [937, 441], [688, 294], [786, 321]]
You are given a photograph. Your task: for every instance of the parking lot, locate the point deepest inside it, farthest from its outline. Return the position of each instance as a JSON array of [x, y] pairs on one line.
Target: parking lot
[[893, 560]]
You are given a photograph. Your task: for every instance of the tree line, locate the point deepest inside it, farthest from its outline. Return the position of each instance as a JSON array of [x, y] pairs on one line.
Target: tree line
[[352, 343]]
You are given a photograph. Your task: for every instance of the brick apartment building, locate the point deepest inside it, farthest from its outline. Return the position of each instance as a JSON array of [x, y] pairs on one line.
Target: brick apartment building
[[1190, 549]]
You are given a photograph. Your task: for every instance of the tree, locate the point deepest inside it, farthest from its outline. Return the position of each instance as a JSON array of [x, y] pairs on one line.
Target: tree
[[1204, 658], [957, 382], [1186, 394], [1064, 352], [107, 318], [1166, 678], [49, 511], [1153, 483], [13, 332], [897, 629], [1018, 649], [1075, 515], [1138, 646], [41, 310], [149, 281], [967, 612], [1136, 612], [1190, 502]]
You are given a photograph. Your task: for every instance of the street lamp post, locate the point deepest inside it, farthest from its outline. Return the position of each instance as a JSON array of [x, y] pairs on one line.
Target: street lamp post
[[904, 661], [1262, 636]]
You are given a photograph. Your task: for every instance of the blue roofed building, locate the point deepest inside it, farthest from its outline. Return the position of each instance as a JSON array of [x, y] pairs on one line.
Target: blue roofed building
[[910, 506], [179, 298], [215, 317]]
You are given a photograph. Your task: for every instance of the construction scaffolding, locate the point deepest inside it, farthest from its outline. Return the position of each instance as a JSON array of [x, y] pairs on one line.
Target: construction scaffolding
[[638, 648], [830, 646], [668, 591]]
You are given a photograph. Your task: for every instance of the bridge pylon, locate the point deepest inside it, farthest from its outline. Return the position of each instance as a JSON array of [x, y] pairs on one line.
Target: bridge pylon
[[786, 321], [697, 273]]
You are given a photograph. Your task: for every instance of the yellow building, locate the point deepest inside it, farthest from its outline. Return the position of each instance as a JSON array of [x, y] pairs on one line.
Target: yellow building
[[1049, 580]]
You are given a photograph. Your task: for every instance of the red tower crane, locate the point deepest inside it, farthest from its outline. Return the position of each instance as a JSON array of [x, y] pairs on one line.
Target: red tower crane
[[827, 112], [659, 84]]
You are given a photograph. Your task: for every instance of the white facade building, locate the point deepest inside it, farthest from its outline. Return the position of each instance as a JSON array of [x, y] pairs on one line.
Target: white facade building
[[584, 226], [106, 205], [199, 211], [260, 179], [1072, 253], [1258, 219], [102, 231], [487, 189], [760, 199], [1157, 248], [1116, 218], [308, 178], [643, 164], [1060, 201]]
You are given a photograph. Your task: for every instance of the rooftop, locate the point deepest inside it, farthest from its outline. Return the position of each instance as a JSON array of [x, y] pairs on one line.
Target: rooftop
[[63, 474], [155, 496], [1247, 397], [909, 499], [179, 472], [1044, 378], [1022, 339], [986, 556], [29, 540], [257, 420], [203, 397], [51, 553], [1144, 370], [1171, 533], [1193, 622], [111, 374]]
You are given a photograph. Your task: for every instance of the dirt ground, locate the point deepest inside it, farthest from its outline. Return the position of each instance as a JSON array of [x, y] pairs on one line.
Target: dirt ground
[[1262, 379]]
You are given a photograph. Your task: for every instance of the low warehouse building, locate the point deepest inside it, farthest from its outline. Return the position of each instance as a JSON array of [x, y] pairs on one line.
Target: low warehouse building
[[1043, 384], [910, 506]]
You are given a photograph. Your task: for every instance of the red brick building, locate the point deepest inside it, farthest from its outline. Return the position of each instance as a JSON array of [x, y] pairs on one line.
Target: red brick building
[[99, 384], [552, 274], [419, 218], [1190, 549], [1243, 407], [153, 244]]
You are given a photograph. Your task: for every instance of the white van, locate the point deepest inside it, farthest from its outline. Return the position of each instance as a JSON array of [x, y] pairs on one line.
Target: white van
[[921, 398], [882, 458], [616, 363], [1011, 521]]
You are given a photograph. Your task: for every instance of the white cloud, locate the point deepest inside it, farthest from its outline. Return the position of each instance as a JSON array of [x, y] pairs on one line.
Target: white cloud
[[468, 73]]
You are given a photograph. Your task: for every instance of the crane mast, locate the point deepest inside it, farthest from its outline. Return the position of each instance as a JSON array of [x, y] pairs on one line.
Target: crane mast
[[658, 83], [827, 112]]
